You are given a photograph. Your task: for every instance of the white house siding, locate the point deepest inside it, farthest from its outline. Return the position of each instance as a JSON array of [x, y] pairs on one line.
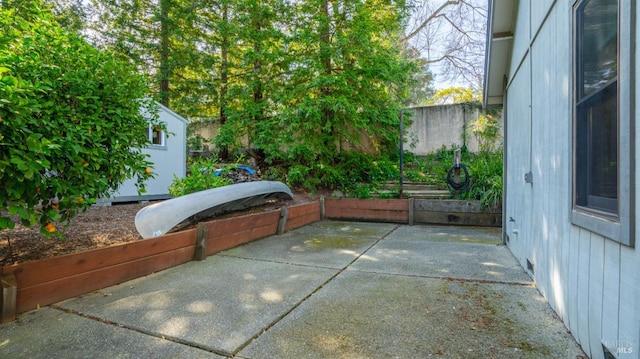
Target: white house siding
[[519, 201], [593, 283]]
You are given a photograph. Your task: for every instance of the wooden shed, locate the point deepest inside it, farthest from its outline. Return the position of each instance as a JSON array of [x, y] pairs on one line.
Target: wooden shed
[[564, 71], [168, 155]]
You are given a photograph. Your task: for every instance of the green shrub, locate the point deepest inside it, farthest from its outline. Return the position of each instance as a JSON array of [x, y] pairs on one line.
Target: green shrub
[[72, 127], [485, 171], [200, 177], [347, 172]]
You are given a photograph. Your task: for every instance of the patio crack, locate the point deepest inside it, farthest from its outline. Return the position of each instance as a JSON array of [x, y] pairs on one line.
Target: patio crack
[[308, 296], [142, 331], [456, 279]]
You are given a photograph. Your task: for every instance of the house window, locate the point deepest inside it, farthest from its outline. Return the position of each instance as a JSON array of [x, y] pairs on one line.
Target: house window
[[156, 135], [596, 157], [602, 118]]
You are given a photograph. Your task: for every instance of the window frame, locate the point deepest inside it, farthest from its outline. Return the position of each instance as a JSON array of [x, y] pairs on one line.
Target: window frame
[[618, 227], [162, 135]]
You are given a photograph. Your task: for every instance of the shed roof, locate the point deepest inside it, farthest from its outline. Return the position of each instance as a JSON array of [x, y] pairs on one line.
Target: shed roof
[[501, 23]]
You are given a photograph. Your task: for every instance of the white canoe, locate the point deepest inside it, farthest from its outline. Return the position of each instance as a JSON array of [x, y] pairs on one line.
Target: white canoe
[[158, 218]]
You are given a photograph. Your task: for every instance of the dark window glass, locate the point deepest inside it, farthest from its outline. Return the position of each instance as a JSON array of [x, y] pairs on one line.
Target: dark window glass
[[597, 45], [156, 135], [596, 142]]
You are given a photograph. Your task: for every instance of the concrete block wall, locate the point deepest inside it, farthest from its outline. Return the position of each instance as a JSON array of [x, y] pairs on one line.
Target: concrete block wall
[[446, 125]]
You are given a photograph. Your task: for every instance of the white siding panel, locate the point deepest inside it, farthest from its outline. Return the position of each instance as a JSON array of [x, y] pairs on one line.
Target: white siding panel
[[521, 38], [540, 152], [629, 318], [596, 286], [539, 9], [560, 128], [551, 124], [517, 147], [582, 325], [572, 279], [611, 293]]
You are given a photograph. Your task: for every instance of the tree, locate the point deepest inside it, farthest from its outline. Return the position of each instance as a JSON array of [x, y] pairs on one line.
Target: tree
[[71, 126], [451, 95], [450, 34], [347, 82], [255, 94], [422, 90], [298, 82], [161, 37]]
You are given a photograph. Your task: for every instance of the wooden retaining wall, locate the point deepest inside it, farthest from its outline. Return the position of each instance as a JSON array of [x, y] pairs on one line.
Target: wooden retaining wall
[[454, 212], [382, 210], [412, 211], [29, 285]]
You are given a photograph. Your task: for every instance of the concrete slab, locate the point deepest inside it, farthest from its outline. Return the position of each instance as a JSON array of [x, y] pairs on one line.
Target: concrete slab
[[325, 244], [333, 289], [463, 234], [453, 253], [369, 315], [345, 229], [51, 333], [217, 304]]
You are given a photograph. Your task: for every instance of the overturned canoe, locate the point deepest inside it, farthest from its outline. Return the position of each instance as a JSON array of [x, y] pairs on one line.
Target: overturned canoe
[[157, 219]]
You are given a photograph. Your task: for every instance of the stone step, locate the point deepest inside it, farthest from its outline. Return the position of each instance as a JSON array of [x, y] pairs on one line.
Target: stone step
[[411, 186], [422, 194]]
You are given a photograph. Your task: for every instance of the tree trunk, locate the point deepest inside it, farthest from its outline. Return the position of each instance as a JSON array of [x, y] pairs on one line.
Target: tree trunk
[[223, 153], [165, 67]]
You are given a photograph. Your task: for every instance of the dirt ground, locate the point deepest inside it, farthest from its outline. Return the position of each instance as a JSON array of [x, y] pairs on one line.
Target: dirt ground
[[100, 226]]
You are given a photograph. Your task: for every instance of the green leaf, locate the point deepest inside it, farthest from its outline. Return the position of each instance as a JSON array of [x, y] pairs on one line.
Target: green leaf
[[6, 223]]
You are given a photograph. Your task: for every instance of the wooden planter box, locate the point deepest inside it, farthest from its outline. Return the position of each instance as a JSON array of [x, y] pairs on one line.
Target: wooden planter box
[[455, 212], [29, 285], [373, 210], [412, 211]]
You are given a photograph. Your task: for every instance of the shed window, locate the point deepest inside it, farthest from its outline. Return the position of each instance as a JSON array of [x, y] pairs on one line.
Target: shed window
[[602, 112], [156, 135]]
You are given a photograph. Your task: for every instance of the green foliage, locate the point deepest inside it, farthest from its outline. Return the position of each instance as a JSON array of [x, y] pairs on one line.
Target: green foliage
[[196, 142], [453, 95], [298, 84], [422, 91], [356, 174], [199, 178], [433, 168], [71, 128], [486, 129], [485, 171]]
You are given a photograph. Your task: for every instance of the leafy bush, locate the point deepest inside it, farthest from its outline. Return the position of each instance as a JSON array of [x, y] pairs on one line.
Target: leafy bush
[[487, 131], [432, 169], [485, 171], [352, 172], [199, 178], [71, 127]]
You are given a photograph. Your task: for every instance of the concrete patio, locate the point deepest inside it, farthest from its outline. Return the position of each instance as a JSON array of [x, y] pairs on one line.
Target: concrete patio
[[327, 290]]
